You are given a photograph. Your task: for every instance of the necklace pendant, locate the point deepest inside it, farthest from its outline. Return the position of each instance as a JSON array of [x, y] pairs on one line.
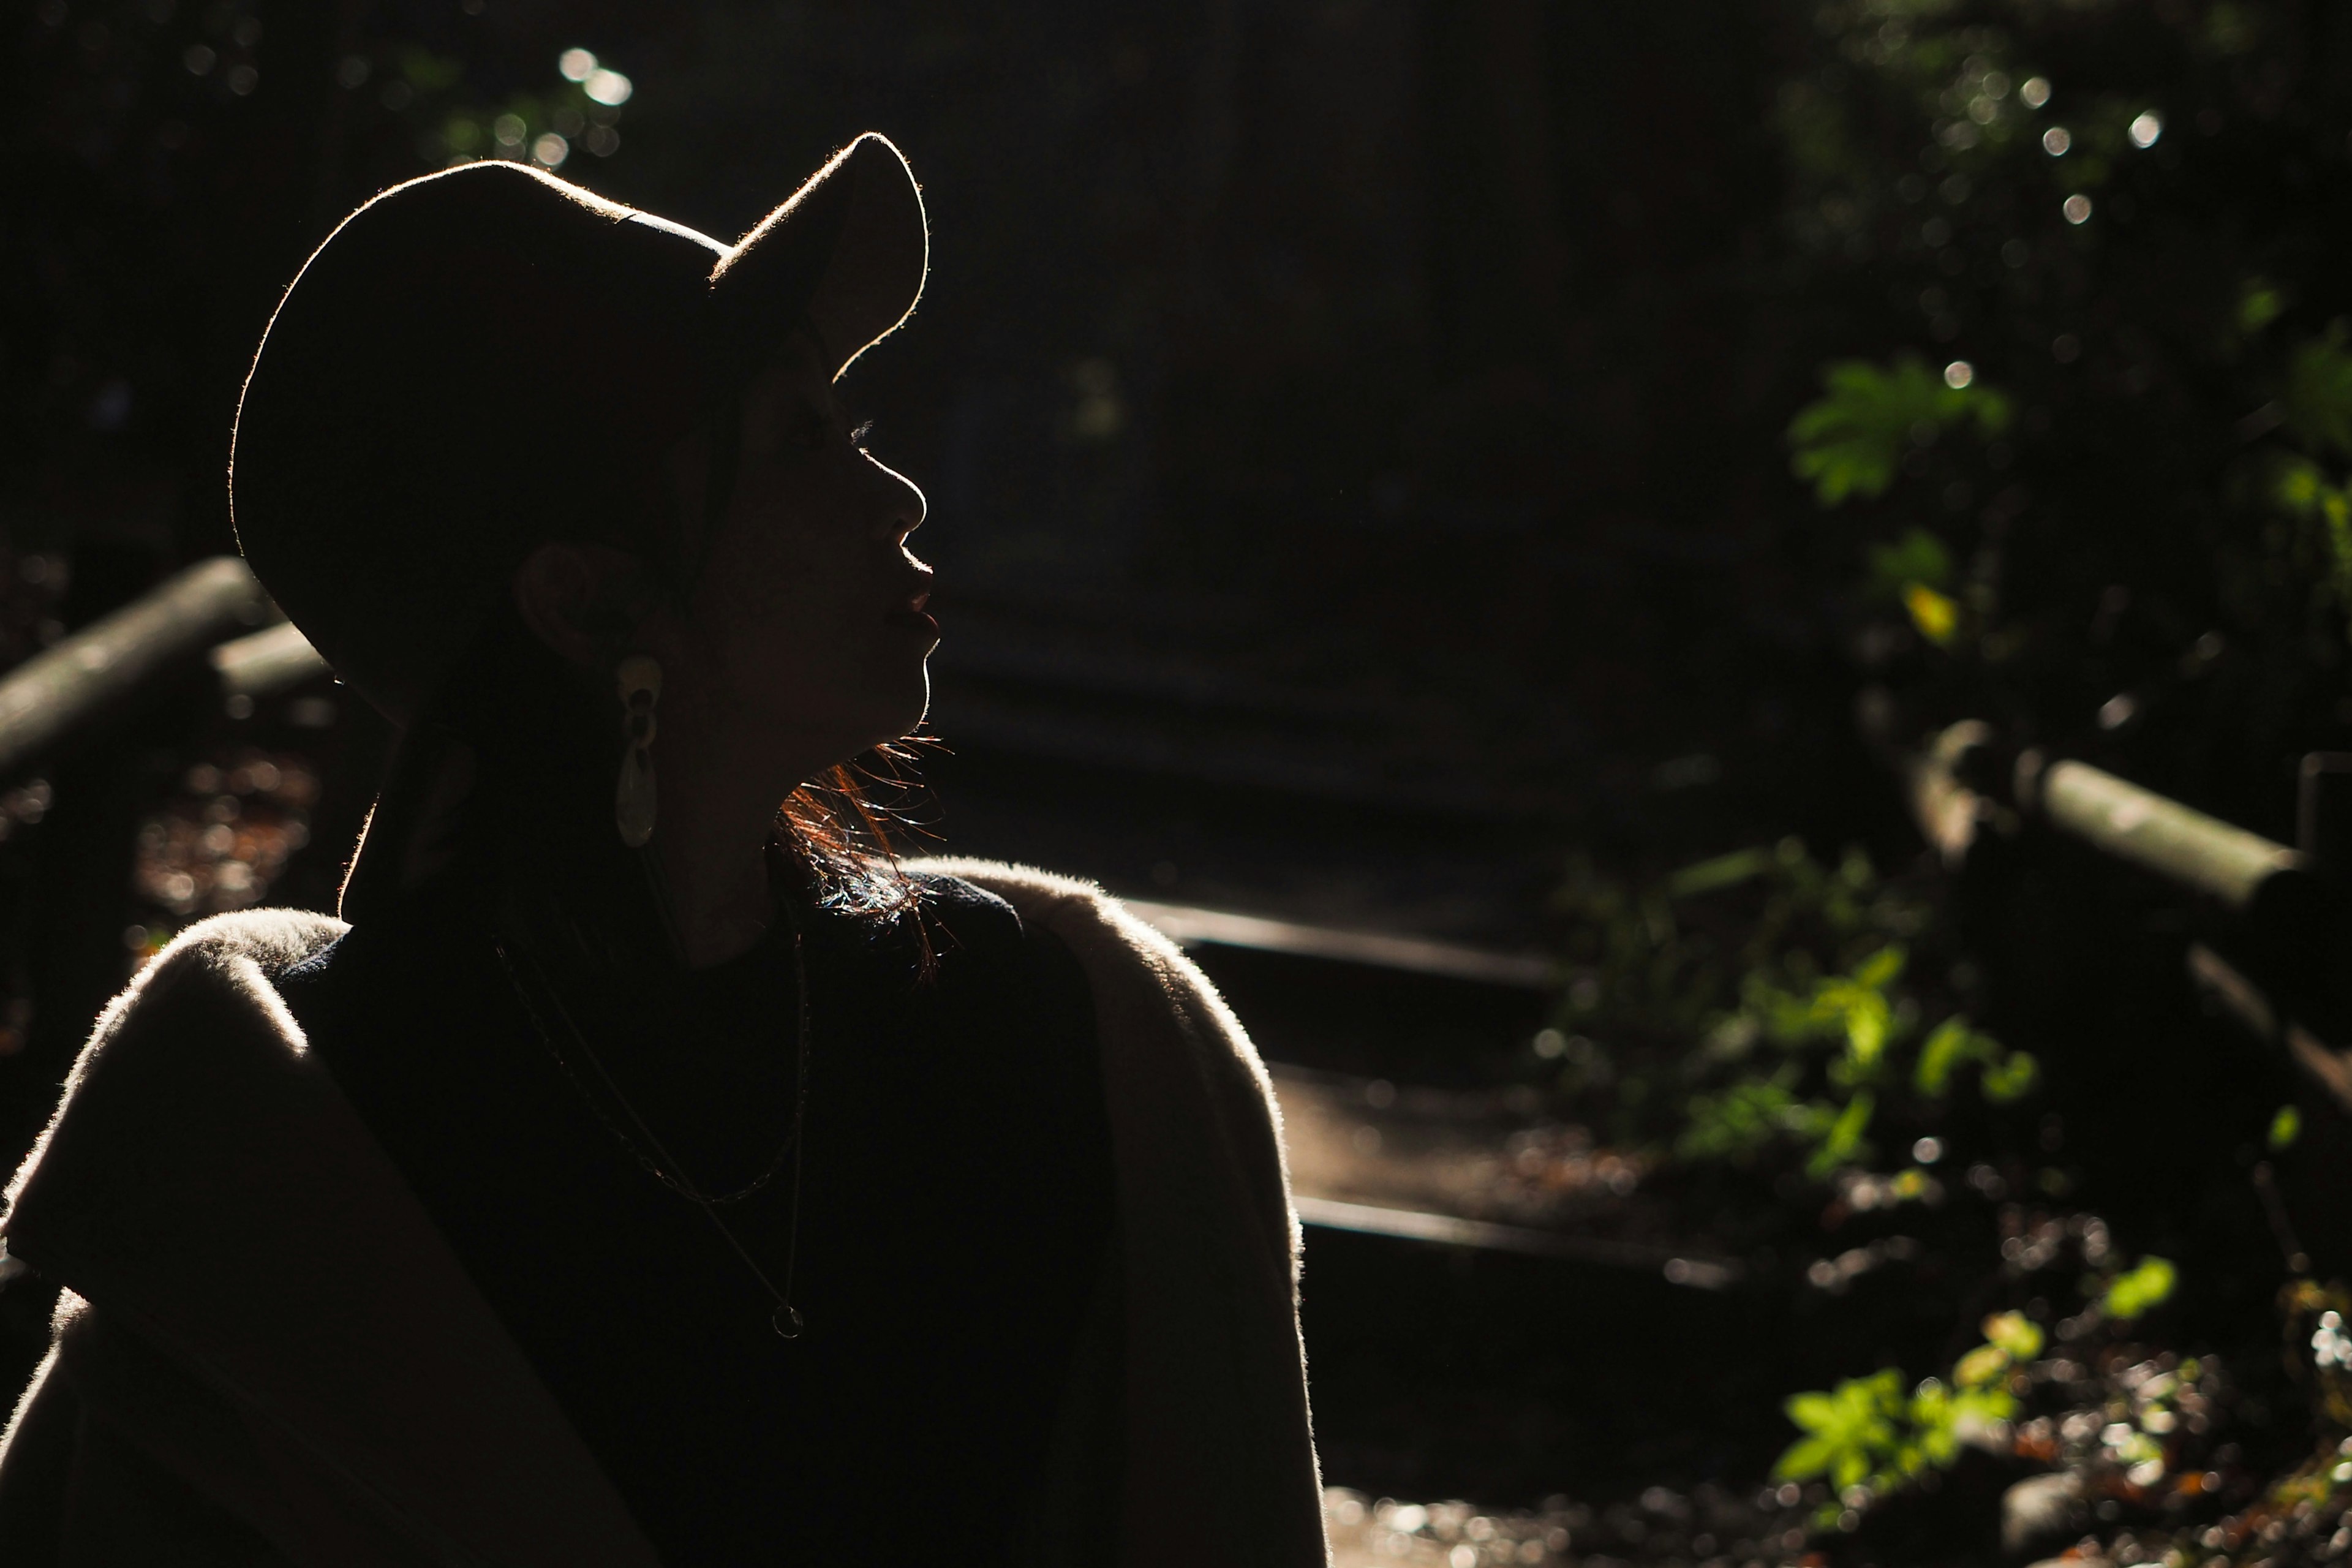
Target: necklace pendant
[[786, 1322]]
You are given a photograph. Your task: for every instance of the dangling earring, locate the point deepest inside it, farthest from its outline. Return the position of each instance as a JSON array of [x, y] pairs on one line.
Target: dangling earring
[[632, 802]]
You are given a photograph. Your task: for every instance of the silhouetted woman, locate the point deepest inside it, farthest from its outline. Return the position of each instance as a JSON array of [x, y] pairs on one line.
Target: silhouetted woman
[[648, 1172]]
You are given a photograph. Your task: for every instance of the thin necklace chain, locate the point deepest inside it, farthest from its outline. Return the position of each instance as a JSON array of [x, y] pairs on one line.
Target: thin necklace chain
[[664, 1167]]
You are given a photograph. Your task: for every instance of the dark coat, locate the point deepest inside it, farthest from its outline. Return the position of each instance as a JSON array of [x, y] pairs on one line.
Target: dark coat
[[266, 1354]]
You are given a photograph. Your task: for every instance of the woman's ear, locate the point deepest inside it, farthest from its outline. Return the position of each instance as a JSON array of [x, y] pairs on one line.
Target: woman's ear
[[583, 600]]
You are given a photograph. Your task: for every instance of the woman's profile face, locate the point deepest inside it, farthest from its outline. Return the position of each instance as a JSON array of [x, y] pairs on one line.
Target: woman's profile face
[[805, 620]]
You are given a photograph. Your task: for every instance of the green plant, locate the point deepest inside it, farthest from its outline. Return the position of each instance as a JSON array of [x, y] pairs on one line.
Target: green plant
[[2139, 1291], [1867, 1434], [1852, 441], [1762, 1001]]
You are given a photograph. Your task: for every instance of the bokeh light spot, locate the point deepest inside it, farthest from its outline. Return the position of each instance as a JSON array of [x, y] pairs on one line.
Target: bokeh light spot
[[1958, 373], [609, 87], [2147, 128], [577, 65], [2036, 91], [2056, 139], [2077, 208]]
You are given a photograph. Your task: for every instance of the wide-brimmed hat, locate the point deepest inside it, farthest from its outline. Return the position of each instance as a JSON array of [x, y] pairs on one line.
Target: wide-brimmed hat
[[488, 358]]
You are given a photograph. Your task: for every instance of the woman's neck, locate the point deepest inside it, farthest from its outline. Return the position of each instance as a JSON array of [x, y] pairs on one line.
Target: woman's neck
[[714, 881], [716, 818]]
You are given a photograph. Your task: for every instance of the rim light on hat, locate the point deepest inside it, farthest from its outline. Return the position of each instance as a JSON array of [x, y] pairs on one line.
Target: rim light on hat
[[385, 482]]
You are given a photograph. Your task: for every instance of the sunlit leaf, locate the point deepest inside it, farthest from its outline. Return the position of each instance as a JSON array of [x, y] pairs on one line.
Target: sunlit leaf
[[1951, 1044], [1806, 1459], [2018, 1335], [1980, 1366], [2141, 1289], [1842, 1144], [1813, 1412], [1936, 617], [1881, 968]]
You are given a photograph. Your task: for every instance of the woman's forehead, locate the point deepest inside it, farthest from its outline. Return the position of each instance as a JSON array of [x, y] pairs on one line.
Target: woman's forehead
[[792, 378]]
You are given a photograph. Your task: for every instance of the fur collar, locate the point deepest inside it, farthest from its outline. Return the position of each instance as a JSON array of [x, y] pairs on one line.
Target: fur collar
[[272, 1316]]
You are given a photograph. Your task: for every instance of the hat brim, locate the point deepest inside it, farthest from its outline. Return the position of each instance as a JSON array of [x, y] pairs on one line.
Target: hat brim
[[850, 249]]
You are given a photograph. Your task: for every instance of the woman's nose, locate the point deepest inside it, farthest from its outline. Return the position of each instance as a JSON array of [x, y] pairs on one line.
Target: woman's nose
[[902, 503]]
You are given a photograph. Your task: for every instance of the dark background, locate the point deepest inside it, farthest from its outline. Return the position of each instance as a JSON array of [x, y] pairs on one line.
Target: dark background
[[1381, 379], [1357, 434], [1351, 430]]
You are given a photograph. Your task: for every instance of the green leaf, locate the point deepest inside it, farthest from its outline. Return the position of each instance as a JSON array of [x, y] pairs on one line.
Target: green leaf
[[1843, 1144], [1980, 1366], [1868, 1021], [2142, 1289], [1936, 615], [2019, 1336], [2319, 391], [1920, 558], [2302, 490], [1881, 968], [1851, 441], [2259, 305], [1723, 871], [1952, 1043], [1744, 1118], [1983, 1405], [2013, 1077], [1806, 1458], [1813, 1412]]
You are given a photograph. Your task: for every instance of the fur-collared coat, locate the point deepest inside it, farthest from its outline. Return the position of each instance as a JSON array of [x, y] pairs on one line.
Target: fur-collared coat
[[266, 1354]]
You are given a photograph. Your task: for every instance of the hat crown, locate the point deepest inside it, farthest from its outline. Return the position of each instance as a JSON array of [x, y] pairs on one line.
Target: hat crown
[[488, 358]]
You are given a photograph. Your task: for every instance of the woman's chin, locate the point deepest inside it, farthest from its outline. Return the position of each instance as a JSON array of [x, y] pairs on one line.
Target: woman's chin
[[900, 711]]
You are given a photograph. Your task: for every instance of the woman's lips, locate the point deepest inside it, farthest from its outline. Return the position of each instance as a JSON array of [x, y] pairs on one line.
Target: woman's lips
[[913, 617]]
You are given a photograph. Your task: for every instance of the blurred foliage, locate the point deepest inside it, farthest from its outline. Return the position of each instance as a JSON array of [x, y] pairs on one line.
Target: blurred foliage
[[2139, 1290], [1852, 441], [1762, 1001], [2117, 228], [1867, 1432], [1871, 1439]]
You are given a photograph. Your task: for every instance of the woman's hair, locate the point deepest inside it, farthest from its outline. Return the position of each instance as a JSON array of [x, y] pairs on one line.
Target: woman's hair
[[506, 781], [847, 837]]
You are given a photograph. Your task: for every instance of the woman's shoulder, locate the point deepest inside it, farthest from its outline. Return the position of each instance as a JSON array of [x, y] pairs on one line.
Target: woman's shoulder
[[1108, 943], [968, 928], [273, 941], [970, 898], [226, 965]]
